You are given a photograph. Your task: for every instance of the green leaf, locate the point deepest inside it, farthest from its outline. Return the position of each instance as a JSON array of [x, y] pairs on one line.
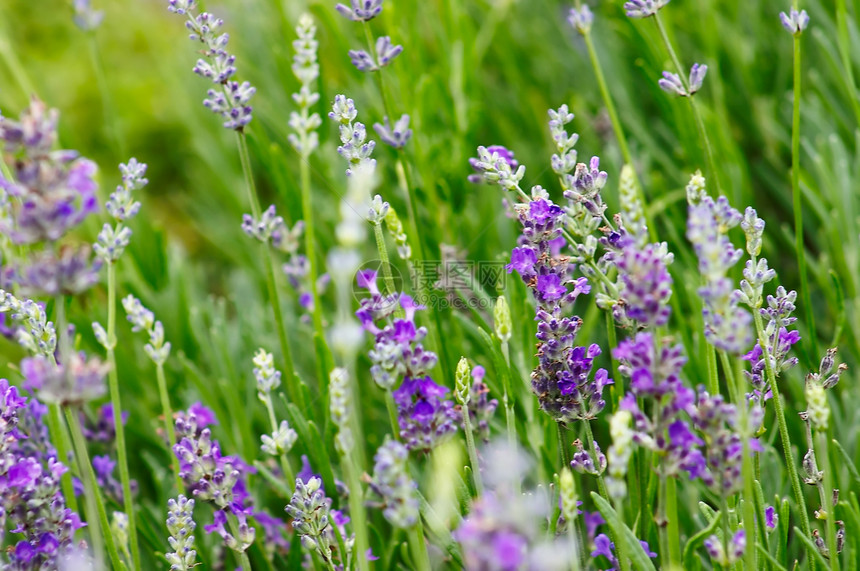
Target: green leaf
[[621, 532], [693, 543]]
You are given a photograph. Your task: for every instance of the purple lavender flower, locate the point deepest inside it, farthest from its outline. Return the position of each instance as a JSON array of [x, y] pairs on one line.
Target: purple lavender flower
[[310, 511], [794, 22], [79, 381], [643, 8], [69, 273], [481, 408], [720, 556], [425, 417], [779, 341], [386, 51], [603, 546], [396, 135], [770, 518], [55, 189], [671, 82], [645, 285], [496, 165], [394, 490], [654, 374], [230, 98], [360, 10]]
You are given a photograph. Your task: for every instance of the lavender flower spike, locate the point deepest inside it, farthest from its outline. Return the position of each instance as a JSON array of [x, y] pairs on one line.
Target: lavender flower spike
[[671, 82], [794, 22], [360, 10], [307, 70], [386, 51], [397, 135], [643, 8], [180, 524], [581, 19], [393, 486]]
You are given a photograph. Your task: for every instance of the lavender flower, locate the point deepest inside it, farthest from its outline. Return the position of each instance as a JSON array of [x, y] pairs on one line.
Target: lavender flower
[[654, 374], [720, 556], [356, 149], [632, 211], [35, 333], [73, 383], [425, 418], [180, 524], [144, 320], [386, 51], [307, 70], [360, 10], [230, 98], [643, 8], [86, 18], [281, 441], [112, 240], [671, 82], [603, 546], [778, 340], [394, 490], [562, 380], [563, 161], [340, 402], [794, 22], [244, 534], [644, 284], [727, 326], [397, 350], [618, 455], [581, 19], [270, 226], [67, 272], [481, 407], [497, 165], [310, 510], [397, 135]]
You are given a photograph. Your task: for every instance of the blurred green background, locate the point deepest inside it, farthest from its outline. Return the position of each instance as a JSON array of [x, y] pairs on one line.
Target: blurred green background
[[473, 72]]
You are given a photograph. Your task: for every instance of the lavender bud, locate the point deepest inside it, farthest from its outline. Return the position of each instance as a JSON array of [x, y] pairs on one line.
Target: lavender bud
[[377, 211], [462, 382], [794, 22], [840, 536], [810, 469], [697, 77], [643, 8], [581, 19], [395, 227], [101, 335], [502, 319], [820, 544], [619, 453], [567, 491], [281, 441], [310, 509], [386, 51], [112, 242], [696, 188], [817, 408], [397, 135], [343, 110], [340, 398], [753, 228]]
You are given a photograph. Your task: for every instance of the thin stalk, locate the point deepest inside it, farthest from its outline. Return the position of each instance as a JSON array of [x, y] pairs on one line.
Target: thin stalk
[[418, 546], [271, 283], [473, 453], [356, 509], [61, 440], [746, 462], [100, 528], [783, 434], [392, 413], [244, 562], [386, 261], [662, 526], [121, 450], [289, 475], [797, 205], [822, 451], [563, 450], [672, 524], [617, 128], [507, 400], [697, 116], [167, 412], [711, 359], [612, 339]]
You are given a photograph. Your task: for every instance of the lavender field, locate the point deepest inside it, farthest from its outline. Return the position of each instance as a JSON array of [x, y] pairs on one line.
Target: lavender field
[[490, 285]]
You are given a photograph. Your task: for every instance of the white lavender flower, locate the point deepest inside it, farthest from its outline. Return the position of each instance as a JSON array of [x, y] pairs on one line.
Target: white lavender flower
[[581, 19], [340, 397], [306, 69], [394, 490], [502, 319], [794, 22], [35, 333], [310, 509], [377, 211], [268, 378], [672, 83], [281, 441], [180, 524]]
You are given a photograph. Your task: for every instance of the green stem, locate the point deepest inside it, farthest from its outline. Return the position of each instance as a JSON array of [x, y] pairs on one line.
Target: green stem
[[386, 261], [473, 453], [797, 205], [244, 562], [617, 129], [99, 527], [746, 463], [116, 403], [289, 475], [392, 413], [783, 434], [356, 509], [612, 339], [823, 452], [61, 440], [697, 116], [167, 412], [507, 399], [418, 546]]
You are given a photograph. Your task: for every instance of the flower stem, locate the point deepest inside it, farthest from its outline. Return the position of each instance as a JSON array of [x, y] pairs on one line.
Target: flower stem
[[783, 434], [167, 412], [822, 451], [289, 475], [116, 404], [797, 205], [697, 116], [61, 440], [473, 453], [356, 509], [392, 413], [99, 526]]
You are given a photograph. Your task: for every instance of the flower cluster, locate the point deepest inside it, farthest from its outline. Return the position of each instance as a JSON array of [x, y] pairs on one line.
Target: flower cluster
[[74, 382], [794, 22], [30, 497], [727, 325], [384, 53], [643, 8], [52, 192], [563, 380], [396, 135], [112, 240], [31, 327], [726, 557], [355, 148], [229, 98], [180, 524], [672, 83], [426, 418], [644, 284], [394, 490], [778, 342], [142, 320], [307, 70], [310, 510], [481, 407], [496, 165], [654, 373]]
